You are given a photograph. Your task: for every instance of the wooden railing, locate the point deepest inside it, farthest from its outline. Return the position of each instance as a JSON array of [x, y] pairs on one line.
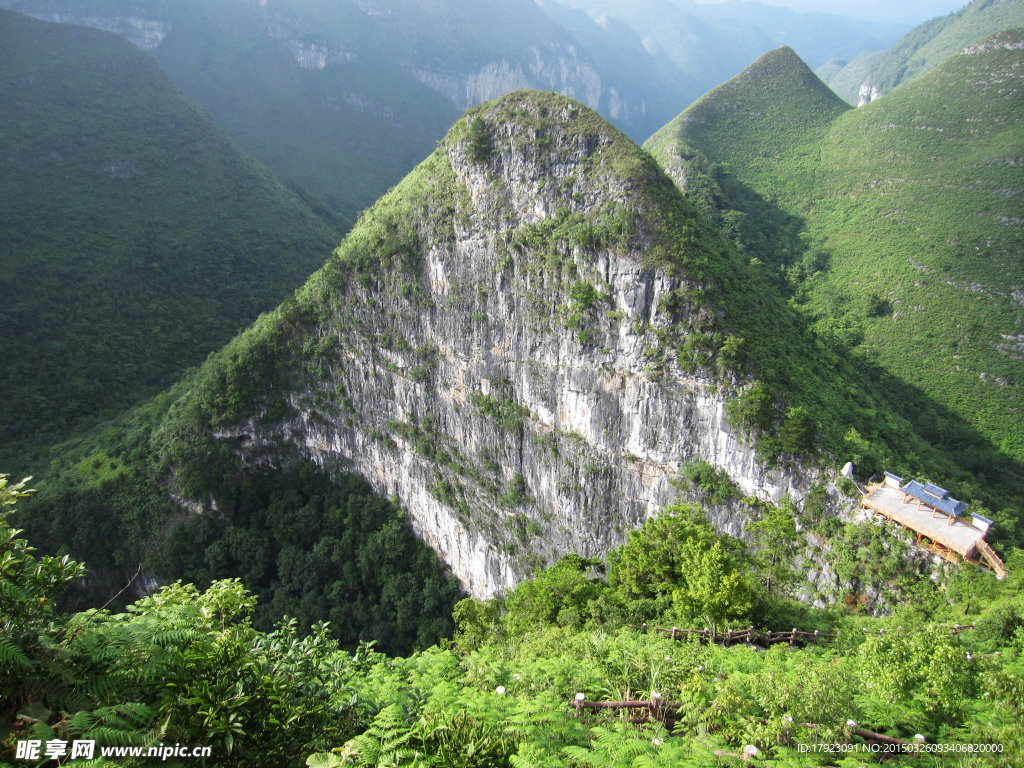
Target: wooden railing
[[767, 639], [992, 558], [750, 636]]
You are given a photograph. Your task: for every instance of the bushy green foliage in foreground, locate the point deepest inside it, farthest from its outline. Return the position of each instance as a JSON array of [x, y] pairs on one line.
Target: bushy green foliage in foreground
[[184, 666]]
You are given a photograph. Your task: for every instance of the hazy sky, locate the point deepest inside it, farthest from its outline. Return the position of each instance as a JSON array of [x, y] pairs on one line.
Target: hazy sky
[[910, 11]]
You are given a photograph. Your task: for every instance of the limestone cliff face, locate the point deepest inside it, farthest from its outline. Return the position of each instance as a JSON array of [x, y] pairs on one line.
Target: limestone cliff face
[[553, 67], [867, 93], [514, 393]]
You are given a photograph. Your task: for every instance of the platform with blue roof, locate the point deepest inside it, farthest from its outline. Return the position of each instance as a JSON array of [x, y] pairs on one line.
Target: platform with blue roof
[[935, 516]]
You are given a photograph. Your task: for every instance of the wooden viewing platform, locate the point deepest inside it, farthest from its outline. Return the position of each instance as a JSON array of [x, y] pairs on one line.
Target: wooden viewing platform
[[938, 531]]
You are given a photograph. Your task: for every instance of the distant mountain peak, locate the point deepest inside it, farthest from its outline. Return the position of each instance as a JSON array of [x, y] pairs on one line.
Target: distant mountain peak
[[778, 96], [774, 84]]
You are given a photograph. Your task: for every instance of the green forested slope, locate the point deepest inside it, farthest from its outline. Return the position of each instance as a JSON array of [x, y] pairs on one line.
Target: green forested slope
[[775, 103], [135, 238], [931, 43], [913, 202]]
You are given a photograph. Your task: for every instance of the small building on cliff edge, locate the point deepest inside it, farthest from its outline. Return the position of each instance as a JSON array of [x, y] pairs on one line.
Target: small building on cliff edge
[[936, 518]]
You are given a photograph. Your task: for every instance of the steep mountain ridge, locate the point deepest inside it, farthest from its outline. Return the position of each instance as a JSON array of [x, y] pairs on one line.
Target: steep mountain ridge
[[912, 203], [457, 372], [772, 104], [135, 238]]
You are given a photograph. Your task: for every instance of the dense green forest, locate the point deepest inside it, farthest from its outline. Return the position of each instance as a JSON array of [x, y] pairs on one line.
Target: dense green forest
[[896, 243], [318, 550], [307, 546], [135, 238], [511, 688]]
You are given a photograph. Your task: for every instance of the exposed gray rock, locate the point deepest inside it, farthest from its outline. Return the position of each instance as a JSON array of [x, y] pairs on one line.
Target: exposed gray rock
[[867, 93]]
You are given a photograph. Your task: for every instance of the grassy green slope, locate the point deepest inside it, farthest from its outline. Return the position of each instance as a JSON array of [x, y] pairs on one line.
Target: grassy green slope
[[921, 193], [931, 43], [774, 105], [916, 199], [135, 238]]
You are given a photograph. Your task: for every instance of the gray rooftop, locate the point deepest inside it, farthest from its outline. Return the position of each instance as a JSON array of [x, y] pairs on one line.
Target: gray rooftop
[[934, 496], [934, 490]]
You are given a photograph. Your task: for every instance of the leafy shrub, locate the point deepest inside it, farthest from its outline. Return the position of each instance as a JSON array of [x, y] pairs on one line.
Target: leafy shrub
[[715, 482], [479, 140], [680, 555]]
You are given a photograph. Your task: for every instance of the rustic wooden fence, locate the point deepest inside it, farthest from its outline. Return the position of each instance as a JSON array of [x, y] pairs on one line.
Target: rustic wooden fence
[[766, 639], [731, 636]]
